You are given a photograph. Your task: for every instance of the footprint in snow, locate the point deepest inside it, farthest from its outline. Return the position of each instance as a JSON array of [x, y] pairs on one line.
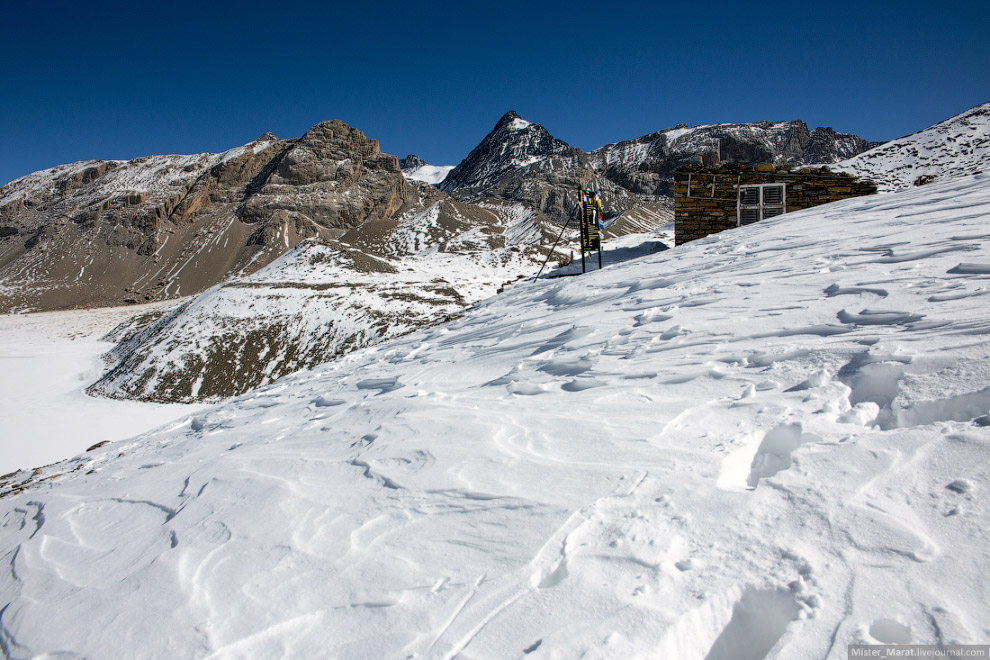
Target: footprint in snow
[[890, 631]]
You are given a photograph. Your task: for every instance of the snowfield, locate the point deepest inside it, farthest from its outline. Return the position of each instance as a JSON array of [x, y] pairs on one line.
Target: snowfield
[[770, 443], [48, 360], [432, 174]]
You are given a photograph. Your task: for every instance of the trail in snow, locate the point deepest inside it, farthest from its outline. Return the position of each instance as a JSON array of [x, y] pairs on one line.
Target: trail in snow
[[770, 443]]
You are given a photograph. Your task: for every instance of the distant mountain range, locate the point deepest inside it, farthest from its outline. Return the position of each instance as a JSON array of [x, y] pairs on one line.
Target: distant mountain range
[[521, 161], [392, 252], [99, 233]]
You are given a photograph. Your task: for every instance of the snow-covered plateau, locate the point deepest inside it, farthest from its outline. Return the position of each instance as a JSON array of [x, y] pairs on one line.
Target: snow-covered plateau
[[770, 443]]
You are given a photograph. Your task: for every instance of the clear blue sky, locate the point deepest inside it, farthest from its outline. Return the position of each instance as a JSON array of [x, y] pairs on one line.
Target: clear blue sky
[[117, 80]]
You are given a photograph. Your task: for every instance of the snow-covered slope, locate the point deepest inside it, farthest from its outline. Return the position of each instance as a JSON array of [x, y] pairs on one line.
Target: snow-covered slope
[[958, 146], [415, 168], [325, 299], [769, 443]]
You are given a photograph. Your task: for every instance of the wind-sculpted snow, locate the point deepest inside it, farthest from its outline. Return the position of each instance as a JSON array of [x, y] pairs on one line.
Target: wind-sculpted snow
[[769, 443]]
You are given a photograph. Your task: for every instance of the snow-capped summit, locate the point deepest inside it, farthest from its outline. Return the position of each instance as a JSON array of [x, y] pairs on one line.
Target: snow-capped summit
[[958, 146]]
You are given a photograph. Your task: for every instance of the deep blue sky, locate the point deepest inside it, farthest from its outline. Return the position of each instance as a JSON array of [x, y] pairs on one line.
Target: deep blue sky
[[112, 80]]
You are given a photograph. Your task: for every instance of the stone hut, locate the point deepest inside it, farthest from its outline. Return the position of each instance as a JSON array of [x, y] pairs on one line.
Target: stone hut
[[710, 199]]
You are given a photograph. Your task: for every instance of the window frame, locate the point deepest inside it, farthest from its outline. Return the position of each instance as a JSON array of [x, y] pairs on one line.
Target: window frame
[[761, 207]]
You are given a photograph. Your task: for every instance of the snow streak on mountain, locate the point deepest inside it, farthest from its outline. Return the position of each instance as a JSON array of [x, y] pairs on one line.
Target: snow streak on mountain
[[769, 443]]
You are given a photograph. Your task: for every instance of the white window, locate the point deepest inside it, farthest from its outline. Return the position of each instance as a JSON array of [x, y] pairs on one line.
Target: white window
[[761, 201]]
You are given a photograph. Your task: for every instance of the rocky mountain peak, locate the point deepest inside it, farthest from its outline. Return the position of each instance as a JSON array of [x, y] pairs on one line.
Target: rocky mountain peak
[[344, 137], [512, 144], [411, 162], [512, 121]]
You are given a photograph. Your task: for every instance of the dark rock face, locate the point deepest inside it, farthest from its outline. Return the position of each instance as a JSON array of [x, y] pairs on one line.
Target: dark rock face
[[825, 146], [100, 233], [333, 177], [514, 144]]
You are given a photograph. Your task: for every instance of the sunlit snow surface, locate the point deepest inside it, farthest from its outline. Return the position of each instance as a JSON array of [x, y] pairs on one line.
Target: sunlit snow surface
[[770, 443]]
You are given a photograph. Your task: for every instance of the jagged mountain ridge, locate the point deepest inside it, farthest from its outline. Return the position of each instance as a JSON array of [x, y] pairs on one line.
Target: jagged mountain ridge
[[100, 233], [521, 161], [958, 146], [646, 164]]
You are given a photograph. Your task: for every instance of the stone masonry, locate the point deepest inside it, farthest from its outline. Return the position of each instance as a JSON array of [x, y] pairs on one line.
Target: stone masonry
[[706, 198]]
